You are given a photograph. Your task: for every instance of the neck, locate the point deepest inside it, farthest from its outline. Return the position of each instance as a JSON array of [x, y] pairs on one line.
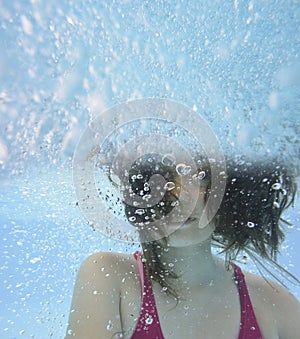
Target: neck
[[195, 265]]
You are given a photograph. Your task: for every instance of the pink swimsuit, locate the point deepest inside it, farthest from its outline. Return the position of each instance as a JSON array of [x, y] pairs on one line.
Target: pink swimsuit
[[148, 325]]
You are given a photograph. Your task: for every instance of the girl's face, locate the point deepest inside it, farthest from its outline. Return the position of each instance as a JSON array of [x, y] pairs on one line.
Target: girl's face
[[190, 231], [181, 197]]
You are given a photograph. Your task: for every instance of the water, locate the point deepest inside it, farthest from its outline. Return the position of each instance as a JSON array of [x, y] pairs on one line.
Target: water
[[64, 62]]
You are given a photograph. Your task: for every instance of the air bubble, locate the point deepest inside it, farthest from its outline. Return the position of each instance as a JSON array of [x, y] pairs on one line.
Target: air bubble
[[169, 186], [276, 204], [139, 176], [268, 231], [276, 186], [201, 175], [34, 260], [146, 197], [109, 325], [132, 219], [149, 320], [140, 211], [183, 169], [250, 224]]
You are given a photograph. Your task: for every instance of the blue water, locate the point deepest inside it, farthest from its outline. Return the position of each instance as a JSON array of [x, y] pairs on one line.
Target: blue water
[[64, 62]]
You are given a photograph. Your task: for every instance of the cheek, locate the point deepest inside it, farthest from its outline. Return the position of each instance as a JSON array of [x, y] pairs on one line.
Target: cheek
[[200, 198]]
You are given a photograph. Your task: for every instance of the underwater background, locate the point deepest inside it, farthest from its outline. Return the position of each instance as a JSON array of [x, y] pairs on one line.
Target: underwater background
[[63, 62]]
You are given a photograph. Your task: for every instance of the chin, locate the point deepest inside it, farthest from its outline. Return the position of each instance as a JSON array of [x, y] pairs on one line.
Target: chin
[[189, 235]]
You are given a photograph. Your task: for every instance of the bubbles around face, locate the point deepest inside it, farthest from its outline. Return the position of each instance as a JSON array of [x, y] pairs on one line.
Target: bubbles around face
[[183, 169], [200, 175], [169, 186], [134, 146]]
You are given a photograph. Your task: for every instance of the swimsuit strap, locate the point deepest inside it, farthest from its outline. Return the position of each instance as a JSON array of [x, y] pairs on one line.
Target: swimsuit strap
[[249, 327], [148, 325]]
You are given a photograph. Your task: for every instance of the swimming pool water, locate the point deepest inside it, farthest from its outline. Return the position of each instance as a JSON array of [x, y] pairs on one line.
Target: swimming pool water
[[63, 62]]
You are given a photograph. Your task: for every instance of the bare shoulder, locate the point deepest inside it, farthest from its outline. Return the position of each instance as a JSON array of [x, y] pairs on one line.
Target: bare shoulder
[[268, 289], [279, 301], [111, 266], [95, 311], [108, 260]]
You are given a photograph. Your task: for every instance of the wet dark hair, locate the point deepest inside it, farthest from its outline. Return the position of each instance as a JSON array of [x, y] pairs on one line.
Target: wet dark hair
[[250, 215], [249, 219]]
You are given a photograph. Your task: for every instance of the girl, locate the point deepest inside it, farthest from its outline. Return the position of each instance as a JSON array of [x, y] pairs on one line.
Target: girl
[[175, 287]]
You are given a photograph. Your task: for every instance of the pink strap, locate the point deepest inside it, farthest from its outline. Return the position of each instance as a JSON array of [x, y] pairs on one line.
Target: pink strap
[[148, 325], [249, 327]]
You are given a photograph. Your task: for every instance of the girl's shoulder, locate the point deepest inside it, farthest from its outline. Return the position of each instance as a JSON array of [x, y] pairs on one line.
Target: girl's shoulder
[[113, 265], [268, 296], [96, 298], [266, 288]]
